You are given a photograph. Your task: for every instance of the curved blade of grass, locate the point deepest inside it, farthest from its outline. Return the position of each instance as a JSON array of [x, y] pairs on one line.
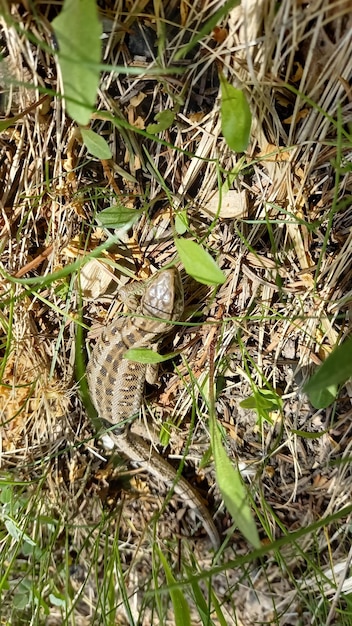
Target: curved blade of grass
[[11, 121], [202, 605], [231, 487], [181, 609], [80, 371]]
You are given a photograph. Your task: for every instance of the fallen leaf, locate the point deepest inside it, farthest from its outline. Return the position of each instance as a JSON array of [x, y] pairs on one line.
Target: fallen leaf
[[232, 204]]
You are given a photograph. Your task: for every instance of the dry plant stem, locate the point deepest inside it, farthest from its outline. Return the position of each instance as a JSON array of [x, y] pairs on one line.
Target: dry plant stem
[[29, 109], [116, 384], [35, 262]]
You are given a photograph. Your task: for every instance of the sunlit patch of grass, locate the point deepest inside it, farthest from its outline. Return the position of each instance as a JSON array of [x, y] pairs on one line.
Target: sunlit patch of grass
[[81, 539]]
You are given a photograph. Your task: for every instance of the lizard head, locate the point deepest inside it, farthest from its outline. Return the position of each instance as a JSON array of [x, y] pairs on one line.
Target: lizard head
[[163, 297]]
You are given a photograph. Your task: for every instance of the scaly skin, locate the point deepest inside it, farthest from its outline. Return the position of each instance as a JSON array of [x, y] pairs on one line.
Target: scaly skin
[[116, 384]]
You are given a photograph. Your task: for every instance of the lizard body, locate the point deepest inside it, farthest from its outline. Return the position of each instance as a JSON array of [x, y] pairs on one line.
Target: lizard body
[[116, 384]]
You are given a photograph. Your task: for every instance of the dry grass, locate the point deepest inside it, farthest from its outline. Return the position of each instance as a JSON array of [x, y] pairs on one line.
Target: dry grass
[[283, 238]]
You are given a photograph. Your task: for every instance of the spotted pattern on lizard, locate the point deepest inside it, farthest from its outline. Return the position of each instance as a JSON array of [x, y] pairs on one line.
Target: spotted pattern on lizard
[[116, 384]]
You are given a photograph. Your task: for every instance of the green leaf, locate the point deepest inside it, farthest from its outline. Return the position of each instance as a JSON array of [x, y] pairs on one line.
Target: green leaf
[[321, 398], [13, 530], [264, 401], [16, 532], [118, 217], [57, 600], [206, 458], [164, 120], [198, 263], [181, 222], [258, 402], [78, 29], [201, 603], [232, 490], [222, 621], [11, 121], [96, 145], [305, 435], [6, 493], [165, 433], [21, 600], [322, 387], [236, 118], [248, 403], [181, 609], [146, 356]]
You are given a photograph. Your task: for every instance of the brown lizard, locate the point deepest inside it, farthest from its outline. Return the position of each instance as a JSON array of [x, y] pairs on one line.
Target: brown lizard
[[116, 384]]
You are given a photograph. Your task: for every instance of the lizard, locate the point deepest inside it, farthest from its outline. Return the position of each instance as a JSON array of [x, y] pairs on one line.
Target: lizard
[[116, 384]]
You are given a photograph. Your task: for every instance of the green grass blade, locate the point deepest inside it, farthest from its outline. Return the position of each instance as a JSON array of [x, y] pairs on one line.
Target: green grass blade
[[180, 604], [231, 487]]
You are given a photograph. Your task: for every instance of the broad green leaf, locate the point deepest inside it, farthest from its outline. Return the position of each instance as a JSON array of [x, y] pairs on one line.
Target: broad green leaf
[[181, 609], [118, 217], [198, 263], [6, 494], [96, 145], [78, 29], [145, 356], [13, 530], [322, 387], [263, 399], [236, 118], [21, 600], [321, 398], [248, 403], [232, 490], [164, 120]]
